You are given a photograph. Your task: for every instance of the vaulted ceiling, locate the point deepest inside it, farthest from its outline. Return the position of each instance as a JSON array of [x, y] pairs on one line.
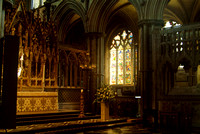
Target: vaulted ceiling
[[123, 15], [183, 11], [118, 14]]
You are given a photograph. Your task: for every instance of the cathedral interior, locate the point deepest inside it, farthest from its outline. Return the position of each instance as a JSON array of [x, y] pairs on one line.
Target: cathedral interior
[[53, 52]]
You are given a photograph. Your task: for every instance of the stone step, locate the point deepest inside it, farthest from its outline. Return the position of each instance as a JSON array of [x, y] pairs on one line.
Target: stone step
[[50, 118], [89, 127], [70, 126]]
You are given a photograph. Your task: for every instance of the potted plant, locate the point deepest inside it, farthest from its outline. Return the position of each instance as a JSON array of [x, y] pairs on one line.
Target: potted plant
[[104, 95]]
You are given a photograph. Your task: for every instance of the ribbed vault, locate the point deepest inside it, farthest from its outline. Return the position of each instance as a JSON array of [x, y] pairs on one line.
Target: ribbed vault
[[66, 15], [107, 16], [149, 9], [183, 11]]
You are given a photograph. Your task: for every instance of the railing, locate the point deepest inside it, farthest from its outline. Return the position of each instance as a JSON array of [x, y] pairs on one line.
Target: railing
[[180, 42]]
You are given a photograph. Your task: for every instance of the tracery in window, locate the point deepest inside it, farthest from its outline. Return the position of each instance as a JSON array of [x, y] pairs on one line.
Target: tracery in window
[[43, 1], [123, 59], [37, 3]]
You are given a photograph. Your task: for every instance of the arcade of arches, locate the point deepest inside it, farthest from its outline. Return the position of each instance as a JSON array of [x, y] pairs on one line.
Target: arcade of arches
[[69, 45]]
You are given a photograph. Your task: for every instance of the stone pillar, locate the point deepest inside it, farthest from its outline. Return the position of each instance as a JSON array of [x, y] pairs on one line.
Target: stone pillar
[[96, 52], [100, 60], [149, 43], [156, 53], [86, 82], [2, 18], [1, 36]]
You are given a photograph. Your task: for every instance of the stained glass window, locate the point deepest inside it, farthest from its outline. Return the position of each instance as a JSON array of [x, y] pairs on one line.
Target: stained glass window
[[128, 65], [120, 65], [113, 66], [123, 59], [43, 1], [37, 3]]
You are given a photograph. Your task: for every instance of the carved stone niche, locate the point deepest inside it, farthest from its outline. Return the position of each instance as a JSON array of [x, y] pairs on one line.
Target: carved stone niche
[[187, 81]]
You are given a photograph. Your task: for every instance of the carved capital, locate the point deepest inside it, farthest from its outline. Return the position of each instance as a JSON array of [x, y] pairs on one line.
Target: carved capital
[[150, 22]]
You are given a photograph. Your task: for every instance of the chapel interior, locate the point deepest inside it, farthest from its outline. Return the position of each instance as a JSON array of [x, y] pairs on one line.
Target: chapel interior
[[53, 52]]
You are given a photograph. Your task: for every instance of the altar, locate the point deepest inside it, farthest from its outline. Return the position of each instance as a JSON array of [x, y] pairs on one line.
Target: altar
[[37, 101]]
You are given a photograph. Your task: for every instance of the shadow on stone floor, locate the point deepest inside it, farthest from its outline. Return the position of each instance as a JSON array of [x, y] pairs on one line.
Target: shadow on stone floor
[[120, 130]]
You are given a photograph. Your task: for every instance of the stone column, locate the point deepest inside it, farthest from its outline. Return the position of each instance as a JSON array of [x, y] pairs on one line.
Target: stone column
[[100, 60], [149, 55], [2, 18], [86, 82], [96, 51], [1, 36], [156, 52]]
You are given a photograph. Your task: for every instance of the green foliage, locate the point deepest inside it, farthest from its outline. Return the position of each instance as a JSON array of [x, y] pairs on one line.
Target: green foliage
[[104, 94]]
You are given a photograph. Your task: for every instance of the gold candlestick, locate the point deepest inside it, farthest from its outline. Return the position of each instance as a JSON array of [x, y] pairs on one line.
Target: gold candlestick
[[81, 105]]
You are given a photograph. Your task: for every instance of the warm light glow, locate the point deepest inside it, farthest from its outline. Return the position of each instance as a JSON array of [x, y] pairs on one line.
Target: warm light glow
[[137, 97], [181, 66], [36, 3], [21, 66], [123, 59], [19, 71], [169, 24]]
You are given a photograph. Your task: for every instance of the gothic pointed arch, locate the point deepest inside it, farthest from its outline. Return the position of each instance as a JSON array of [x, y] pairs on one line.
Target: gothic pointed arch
[[82, 60], [67, 6], [63, 56], [185, 61], [123, 59], [72, 69], [99, 9], [107, 10], [72, 57], [68, 13]]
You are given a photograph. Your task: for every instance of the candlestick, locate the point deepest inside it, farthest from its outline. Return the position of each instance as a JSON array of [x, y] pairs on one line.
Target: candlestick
[[81, 105]]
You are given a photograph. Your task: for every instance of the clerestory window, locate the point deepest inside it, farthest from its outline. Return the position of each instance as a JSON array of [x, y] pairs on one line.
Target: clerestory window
[[123, 59]]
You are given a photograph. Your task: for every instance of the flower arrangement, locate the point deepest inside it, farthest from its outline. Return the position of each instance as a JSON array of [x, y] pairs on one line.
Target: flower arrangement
[[104, 94]]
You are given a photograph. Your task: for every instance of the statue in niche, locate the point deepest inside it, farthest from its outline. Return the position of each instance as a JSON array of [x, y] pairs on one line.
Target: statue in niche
[[186, 81]]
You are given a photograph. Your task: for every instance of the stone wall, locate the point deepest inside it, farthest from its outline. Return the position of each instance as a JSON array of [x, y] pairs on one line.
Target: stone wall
[[181, 114]]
